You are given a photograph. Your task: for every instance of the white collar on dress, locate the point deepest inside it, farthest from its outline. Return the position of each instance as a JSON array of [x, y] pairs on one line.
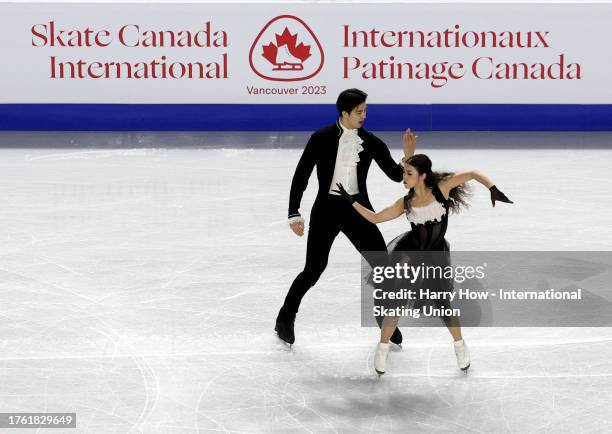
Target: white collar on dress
[[433, 211]]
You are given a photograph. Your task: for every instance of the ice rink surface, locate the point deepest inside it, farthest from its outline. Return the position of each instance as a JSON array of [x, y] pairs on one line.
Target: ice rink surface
[[139, 289]]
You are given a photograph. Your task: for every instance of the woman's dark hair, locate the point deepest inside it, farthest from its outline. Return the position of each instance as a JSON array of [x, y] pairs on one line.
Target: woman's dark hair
[[457, 196], [349, 99]]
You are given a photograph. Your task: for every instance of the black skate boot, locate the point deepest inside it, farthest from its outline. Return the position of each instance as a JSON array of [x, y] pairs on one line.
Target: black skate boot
[[284, 325], [396, 337]]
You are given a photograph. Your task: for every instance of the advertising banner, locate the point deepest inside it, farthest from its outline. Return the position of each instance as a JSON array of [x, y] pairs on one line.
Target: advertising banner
[[272, 54]]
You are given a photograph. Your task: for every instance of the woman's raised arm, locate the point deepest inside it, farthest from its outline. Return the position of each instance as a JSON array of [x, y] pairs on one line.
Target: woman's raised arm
[[451, 182]]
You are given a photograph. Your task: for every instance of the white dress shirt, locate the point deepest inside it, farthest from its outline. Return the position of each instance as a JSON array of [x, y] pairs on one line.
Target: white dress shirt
[[345, 172]]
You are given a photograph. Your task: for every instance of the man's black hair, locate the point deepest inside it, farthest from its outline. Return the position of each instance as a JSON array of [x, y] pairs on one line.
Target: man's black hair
[[349, 99]]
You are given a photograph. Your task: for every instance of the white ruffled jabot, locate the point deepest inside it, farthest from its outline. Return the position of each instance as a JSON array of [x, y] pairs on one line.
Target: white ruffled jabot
[[423, 214], [350, 137], [345, 170]]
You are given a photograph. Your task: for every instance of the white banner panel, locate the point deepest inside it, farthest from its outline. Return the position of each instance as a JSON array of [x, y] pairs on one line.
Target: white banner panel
[[305, 53]]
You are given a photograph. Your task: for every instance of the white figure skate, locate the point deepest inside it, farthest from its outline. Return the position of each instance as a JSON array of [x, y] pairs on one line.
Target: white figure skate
[[380, 358], [463, 355]]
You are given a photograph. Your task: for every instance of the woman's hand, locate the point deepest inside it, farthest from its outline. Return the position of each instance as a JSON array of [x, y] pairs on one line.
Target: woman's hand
[[498, 195], [344, 194]]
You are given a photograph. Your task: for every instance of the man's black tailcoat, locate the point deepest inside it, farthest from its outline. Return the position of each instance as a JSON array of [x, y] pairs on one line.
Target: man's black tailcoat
[[321, 151], [330, 213]]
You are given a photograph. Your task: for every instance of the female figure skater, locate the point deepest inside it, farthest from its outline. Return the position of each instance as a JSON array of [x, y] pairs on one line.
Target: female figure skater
[[430, 197]]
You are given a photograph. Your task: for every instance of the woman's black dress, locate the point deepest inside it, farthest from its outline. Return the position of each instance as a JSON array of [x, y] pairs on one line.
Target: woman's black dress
[[426, 240]]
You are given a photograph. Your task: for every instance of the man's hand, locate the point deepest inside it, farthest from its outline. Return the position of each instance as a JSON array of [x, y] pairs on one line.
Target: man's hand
[[297, 225], [409, 142], [297, 228]]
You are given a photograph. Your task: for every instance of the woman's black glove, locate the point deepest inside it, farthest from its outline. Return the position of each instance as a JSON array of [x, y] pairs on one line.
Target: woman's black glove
[[498, 195], [344, 194]]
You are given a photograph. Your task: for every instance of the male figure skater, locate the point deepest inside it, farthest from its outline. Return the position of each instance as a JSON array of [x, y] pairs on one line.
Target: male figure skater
[[342, 153]]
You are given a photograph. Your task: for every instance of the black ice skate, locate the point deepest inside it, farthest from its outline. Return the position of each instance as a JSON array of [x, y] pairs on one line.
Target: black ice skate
[[284, 326], [396, 337]]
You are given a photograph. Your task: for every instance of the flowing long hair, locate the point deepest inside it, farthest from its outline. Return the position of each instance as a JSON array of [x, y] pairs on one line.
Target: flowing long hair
[[457, 196]]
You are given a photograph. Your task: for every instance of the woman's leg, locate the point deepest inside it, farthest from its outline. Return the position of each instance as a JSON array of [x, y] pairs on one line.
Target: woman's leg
[[461, 350], [389, 325], [453, 325], [455, 332]]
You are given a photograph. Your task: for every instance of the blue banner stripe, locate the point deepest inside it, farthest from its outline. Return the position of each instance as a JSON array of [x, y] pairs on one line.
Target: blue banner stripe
[[302, 117]]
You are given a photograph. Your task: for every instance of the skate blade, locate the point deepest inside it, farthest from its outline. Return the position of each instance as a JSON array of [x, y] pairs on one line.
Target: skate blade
[[465, 369], [378, 372]]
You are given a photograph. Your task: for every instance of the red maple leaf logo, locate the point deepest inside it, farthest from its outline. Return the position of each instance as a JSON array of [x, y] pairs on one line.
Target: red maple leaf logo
[[286, 49], [285, 54]]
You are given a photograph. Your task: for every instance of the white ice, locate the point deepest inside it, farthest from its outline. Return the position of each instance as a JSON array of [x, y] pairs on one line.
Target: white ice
[[139, 289]]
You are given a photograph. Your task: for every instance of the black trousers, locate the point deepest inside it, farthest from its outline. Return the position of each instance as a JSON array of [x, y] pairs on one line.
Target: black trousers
[[331, 215]]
